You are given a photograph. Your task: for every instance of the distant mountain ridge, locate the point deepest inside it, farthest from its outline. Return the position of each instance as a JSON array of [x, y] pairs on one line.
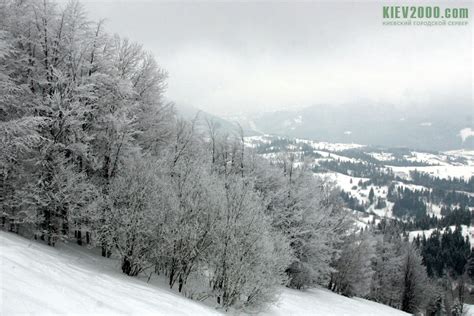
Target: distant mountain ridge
[[378, 125], [372, 124], [227, 126]]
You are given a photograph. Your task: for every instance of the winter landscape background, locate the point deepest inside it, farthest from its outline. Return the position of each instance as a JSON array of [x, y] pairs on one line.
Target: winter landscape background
[[228, 163]]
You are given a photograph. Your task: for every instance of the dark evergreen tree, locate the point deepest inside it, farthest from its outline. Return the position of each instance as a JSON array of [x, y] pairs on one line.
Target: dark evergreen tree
[[371, 195]]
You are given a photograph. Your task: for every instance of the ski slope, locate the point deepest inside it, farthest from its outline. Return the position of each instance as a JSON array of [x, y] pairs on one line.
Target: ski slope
[[41, 280]]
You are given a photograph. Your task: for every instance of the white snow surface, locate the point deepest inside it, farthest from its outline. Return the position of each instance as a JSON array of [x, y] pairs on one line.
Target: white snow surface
[[428, 158], [467, 231], [253, 141], [324, 302], [326, 146], [382, 156], [41, 280], [333, 156], [463, 153], [342, 180], [445, 172]]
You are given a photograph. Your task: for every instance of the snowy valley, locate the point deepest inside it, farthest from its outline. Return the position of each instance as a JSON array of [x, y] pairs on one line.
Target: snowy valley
[[359, 169]]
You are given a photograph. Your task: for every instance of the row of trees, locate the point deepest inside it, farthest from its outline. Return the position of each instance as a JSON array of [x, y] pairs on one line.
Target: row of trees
[[382, 266], [449, 184], [445, 252], [430, 275], [450, 217], [92, 151], [407, 203], [447, 257]]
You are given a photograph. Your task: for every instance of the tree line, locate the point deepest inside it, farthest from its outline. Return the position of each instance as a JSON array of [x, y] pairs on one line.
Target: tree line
[[449, 184]]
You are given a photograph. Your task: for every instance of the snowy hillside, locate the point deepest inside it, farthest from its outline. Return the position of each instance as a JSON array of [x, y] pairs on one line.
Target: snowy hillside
[[466, 232], [323, 302], [348, 165], [37, 279]]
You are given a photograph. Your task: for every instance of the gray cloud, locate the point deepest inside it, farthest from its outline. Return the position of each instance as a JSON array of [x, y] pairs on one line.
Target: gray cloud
[[230, 57]]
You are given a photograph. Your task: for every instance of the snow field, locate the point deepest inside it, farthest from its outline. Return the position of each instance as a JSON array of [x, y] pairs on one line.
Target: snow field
[[41, 280]]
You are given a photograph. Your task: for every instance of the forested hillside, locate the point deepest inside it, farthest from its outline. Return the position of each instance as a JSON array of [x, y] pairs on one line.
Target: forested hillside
[[424, 196], [93, 154], [104, 290]]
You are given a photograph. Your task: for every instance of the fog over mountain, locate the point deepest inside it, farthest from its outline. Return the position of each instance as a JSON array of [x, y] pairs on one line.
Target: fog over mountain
[[229, 57], [371, 124], [289, 58]]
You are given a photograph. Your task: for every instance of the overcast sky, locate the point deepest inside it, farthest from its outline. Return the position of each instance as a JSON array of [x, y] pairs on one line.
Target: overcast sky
[[227, 58]]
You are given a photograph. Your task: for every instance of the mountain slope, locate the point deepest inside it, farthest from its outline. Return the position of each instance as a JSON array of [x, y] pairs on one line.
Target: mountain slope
[[225, 126], [37, 279], [324, 302]]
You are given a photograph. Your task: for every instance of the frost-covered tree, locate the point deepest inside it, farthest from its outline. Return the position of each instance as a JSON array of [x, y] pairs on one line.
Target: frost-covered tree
[[307, 211], [249, 258], [192, 199], [313, 219], [74, 100], [415, 280], [354, 266], [57, 200], [400, 279], [386, 286], [127, 222]]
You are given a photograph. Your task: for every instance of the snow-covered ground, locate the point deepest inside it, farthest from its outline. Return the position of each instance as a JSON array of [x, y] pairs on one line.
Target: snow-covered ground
[[468, 310], [454, 164], [40, 280], [463, 153], [332, 156], [324, 302], [445, 172], [466, 231], [381, 156], [364, 220], [326, 146], [428, 158], [448, 158], [253, 141], [345, 182]]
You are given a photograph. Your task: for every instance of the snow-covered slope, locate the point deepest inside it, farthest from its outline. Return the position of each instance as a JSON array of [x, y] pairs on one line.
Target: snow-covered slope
[[467, 231], [324, 302], [37, 279]]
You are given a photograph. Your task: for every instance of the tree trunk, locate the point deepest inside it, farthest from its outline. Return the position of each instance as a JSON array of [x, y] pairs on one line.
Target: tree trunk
[[126, 266], [79, 238], [88, 238], [181, 283], [171, 277]]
